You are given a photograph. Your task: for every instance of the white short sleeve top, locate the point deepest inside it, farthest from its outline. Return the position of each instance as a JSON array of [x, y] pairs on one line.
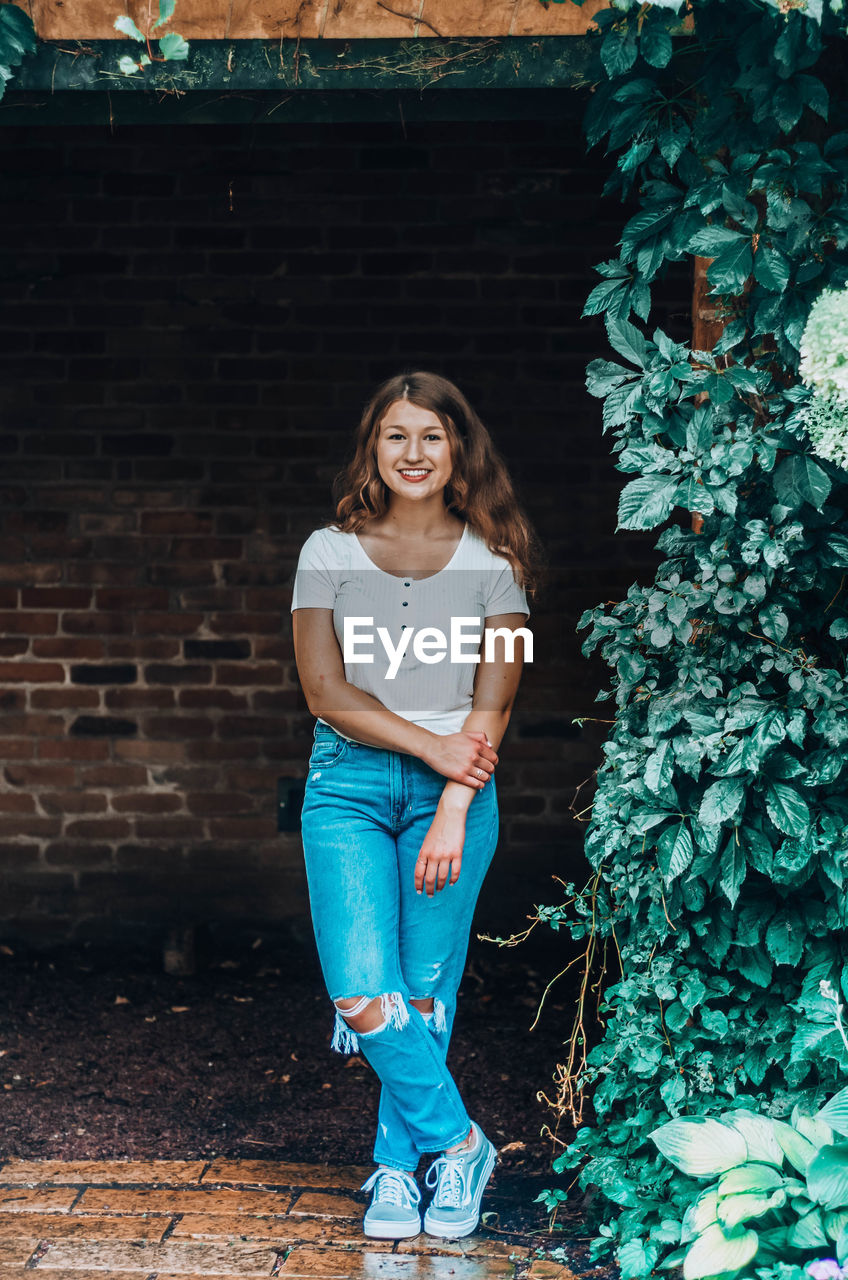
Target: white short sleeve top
[[436, 692]]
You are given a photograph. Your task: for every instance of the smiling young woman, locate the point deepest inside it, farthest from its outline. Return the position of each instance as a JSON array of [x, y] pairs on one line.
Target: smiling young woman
[[400, 815]]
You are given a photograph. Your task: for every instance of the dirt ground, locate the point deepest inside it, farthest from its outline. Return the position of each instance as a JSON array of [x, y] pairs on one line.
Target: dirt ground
[[102, 1054]]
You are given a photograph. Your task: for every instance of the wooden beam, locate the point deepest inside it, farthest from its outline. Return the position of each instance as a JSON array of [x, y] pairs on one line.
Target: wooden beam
[[318, 19]]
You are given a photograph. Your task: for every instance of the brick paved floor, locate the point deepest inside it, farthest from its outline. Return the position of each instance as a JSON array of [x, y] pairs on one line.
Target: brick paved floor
[[200, 1219]]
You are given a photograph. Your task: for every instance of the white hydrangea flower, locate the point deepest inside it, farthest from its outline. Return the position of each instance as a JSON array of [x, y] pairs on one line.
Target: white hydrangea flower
[[824, 346], [826, 421]]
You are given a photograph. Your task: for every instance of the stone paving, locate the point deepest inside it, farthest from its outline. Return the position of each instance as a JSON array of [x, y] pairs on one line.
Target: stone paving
[[200, 1219]]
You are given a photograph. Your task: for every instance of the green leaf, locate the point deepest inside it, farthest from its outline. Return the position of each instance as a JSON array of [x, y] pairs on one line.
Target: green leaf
[[646, 501], [758, 1133], [636, 1259], [751, 1176], [787, 808], [173, 47], [718, 1251], [835, 1112], [827, 1177], [736, 1209], [799, 479], [808, 1232], [674, 851], [166, 12], [626, 339], [700, 1146], [17, 35], [702, 1213], [785, 937], [798, 1151], [721, 801], [126, 25]]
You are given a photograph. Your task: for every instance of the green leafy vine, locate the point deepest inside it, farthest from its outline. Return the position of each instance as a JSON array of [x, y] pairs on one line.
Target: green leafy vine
[[718, 836]]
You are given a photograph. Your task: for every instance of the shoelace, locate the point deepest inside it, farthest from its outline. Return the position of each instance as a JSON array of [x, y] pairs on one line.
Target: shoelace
[[450, 1180], [392, 1187]]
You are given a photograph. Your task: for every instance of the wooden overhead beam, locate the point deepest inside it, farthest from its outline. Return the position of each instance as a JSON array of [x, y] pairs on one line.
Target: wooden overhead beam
[[316, 19]]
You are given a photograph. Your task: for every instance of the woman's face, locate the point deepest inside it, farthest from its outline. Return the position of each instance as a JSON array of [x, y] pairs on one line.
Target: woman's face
[[413, 452]]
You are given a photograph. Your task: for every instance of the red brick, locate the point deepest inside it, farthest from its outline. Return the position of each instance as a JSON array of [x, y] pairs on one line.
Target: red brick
[[179, 522], [27, 574], [176, 828], [60, 802], [29, 624], [244, 673], [8, 598], [139, 699], [73, 749], [67, 853], [134, 598], [206, 549], [267, 599], [39, 775], [238, 750], [144, 650], [222, 699], [240, 624], [36, 726], [100, 571], [147, 802], [32, 672], [65, 647], [16, 802], [154, 752], [113, 775], [97, 624], [98, 829], [178, 624], [13, 648], [243, 828], [55, 598], [180, 727], [17, 748], [64, 699], [207, 803], [29, 827]]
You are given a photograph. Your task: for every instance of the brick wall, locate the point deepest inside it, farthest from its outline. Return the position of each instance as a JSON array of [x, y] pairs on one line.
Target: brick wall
[[192, 319]]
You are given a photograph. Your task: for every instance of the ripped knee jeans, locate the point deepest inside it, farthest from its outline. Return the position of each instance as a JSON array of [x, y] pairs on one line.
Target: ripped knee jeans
[[392, 959]]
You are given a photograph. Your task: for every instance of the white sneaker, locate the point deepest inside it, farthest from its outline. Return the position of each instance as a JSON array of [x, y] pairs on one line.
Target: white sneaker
[[393, 1213], [459, 1182]]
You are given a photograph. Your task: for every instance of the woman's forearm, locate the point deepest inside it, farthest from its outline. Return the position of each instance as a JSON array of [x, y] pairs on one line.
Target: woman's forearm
[[359, 715], [456, 795]]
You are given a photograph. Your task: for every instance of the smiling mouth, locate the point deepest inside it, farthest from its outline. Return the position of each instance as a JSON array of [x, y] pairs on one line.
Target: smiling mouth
[[416, 473]]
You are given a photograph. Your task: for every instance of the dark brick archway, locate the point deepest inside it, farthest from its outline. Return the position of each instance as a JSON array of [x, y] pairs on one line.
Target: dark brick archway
[[194, 316]]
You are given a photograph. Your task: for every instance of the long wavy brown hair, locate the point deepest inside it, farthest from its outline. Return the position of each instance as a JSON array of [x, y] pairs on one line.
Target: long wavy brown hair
[[479, 491]]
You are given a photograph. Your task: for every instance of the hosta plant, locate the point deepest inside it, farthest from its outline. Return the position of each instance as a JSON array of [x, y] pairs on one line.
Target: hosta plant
[[778, 1191]]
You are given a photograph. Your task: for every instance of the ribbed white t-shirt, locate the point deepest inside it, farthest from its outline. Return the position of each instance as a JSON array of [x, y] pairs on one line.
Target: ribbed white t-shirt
[[335, 572]]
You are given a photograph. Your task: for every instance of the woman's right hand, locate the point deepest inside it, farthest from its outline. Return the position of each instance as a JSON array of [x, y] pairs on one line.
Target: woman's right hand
[[463, 757]]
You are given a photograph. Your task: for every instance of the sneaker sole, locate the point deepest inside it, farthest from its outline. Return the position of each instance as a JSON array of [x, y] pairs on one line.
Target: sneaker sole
[[392, 1230], [455, 1230]]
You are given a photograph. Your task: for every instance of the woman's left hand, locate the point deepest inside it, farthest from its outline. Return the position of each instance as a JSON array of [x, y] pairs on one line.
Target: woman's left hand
[[440, 859]]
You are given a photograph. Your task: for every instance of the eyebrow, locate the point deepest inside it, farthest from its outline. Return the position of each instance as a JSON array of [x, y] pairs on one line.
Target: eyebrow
[[398, 427]]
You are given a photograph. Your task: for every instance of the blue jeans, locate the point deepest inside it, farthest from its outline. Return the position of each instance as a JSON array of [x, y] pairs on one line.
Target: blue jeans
[[366, 812]]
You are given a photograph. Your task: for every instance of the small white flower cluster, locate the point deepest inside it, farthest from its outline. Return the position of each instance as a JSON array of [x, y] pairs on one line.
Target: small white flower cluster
[[824, 367], [824, 346], [826, 422]]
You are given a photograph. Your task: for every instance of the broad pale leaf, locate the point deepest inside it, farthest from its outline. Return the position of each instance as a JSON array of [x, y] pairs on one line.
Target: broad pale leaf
[[701, 1147], [758, 1133], [718, 1251], [835, 1112], [827, 1176]]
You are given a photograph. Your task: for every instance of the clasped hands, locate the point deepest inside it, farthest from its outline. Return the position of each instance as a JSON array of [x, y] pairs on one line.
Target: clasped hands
[[468, 758]]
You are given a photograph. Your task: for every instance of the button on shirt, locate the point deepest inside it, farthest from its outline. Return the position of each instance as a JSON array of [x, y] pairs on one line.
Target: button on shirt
[[334, 572]]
